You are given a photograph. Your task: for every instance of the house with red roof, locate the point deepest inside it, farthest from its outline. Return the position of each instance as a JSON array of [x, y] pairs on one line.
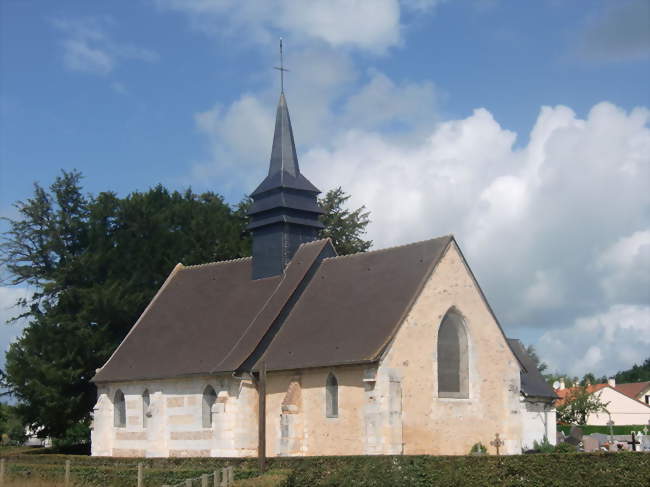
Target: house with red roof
[[627, 404]]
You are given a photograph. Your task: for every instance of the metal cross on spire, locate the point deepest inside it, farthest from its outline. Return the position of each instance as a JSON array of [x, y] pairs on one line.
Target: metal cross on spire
[[281, 68]]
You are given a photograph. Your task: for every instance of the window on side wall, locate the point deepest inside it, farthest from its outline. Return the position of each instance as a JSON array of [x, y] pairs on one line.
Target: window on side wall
[[146, 408], [209, 398], [332, 396], [453, 359], [119, 410]]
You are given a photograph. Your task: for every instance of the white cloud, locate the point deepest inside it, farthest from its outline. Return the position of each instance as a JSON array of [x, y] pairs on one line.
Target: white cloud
[[368, 25], [601, 343], [625, 266], [88, 47], [382, 101], [533, 222]]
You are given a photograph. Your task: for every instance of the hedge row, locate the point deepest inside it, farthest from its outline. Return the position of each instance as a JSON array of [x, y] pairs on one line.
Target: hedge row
[[556, 470], [588, 429], [552, 470]]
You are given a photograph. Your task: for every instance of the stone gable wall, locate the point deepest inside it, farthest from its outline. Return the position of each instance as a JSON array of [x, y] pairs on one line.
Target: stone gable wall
[[443, 426]]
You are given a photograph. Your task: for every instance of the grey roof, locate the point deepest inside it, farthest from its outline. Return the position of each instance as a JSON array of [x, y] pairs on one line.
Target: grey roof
[[533, 383], [353, 306], [321, 311], [284, 171], [205, 318]]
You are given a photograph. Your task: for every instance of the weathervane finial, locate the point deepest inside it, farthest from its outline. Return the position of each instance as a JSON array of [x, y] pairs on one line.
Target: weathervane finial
[[281, 68]]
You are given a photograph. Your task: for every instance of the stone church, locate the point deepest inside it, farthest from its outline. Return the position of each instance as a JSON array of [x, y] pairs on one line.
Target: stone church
[[304, 352]]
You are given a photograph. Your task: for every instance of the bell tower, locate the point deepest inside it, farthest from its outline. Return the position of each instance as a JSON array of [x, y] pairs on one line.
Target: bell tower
[[285, 209]]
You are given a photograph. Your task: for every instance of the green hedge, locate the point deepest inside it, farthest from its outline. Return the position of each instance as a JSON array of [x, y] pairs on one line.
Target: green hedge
[[552, 470], [540, 470]]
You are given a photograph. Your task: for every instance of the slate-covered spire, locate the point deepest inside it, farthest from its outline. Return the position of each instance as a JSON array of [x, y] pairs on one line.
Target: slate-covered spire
[[285, 210]]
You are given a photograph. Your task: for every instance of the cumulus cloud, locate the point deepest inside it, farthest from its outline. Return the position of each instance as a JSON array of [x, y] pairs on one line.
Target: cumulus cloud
[[602, 343], [371, 26], [88, 47], [540, 224], [620, 32]]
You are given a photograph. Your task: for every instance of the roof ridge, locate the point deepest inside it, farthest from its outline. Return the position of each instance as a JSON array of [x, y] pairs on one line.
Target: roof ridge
[[385, 249], [205, 264]]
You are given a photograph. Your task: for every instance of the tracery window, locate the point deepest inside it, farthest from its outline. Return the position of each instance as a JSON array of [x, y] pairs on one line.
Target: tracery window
[[119, 410], [453, 359], [209, 398], [332, 396]]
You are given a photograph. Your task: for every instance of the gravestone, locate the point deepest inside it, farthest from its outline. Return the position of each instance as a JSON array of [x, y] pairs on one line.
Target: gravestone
[[645, 443], [575, 436], [589, 443], [560, 437]]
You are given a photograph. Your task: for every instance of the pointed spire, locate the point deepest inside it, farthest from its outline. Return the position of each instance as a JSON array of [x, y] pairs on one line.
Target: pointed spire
[[285, 211], [283, 152], [284, 171]]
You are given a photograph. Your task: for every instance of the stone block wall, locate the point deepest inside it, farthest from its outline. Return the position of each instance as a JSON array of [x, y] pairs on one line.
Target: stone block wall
[[174, 427], [448, 425]]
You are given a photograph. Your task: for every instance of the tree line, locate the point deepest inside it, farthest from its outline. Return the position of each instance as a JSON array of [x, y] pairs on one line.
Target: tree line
[[94, 262]]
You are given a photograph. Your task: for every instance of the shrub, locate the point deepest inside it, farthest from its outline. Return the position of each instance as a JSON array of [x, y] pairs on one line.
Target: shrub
[[478, 449], [565, 448], [544, 447]]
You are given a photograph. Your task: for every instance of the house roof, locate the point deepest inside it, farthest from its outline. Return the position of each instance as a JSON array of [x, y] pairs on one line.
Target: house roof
[[533, 383], [633, 389], [353, 306], [562, 394], [324, 310]]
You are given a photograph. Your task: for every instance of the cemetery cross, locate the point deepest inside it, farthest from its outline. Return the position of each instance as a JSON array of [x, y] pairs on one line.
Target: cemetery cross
[[634, 441], [497, 442]]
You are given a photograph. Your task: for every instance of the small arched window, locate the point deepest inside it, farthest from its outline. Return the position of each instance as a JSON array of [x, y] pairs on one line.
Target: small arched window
[[209, 398], [146, 408], [332, 396], [119, 410], [453, 360]]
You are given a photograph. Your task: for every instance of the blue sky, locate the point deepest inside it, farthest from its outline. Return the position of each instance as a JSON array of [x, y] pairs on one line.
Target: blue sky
[[428, 112]]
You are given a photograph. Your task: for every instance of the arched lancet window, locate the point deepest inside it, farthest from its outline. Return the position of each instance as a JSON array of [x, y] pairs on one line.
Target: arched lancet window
[[146, 411], [209, 398], [332, 396], [119, 410], [453, 359]]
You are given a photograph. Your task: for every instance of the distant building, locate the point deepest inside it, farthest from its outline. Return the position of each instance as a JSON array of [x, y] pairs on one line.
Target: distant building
[[624, 407], [394, 351], [636, 390]]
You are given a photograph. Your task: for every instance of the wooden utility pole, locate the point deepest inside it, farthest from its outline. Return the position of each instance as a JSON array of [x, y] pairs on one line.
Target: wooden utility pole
[[261, 428]]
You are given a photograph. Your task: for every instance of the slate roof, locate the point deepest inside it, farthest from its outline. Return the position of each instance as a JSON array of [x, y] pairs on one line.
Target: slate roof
[[533, 383], [324, 310], [284, 170], [353, 306]]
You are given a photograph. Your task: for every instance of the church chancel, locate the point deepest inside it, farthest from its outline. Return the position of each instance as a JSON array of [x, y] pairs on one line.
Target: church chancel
[[392, 351]]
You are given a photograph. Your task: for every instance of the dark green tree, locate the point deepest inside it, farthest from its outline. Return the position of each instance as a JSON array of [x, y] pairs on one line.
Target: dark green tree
[[638, 373], [345, 227], [532, 353], [95, 263]]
